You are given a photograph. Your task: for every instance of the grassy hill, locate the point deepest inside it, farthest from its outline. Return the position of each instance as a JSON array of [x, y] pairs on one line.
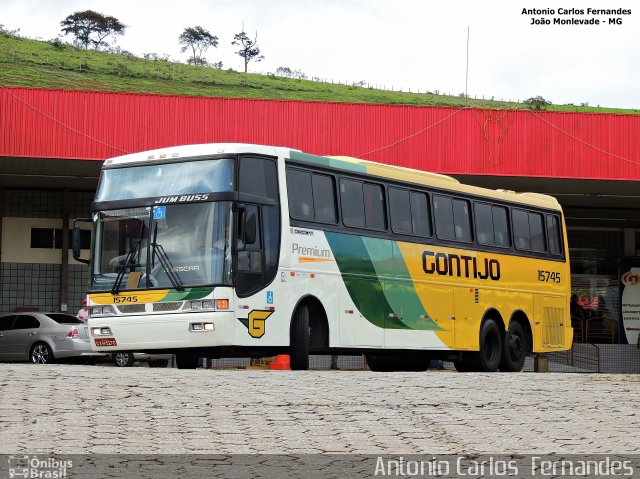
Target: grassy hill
[[32, 63]]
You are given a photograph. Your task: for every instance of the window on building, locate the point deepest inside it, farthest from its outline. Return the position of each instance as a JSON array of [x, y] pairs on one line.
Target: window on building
[[51, 238]]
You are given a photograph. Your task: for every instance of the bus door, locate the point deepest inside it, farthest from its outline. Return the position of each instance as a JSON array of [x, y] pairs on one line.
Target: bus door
[[439, 304], [467, 317]]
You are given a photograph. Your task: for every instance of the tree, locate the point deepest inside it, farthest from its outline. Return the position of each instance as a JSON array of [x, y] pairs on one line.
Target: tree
[[199, 40], [537, 102], [91, 28], [249, 50]]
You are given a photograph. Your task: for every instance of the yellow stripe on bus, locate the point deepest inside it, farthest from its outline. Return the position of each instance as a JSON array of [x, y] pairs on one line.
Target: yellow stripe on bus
[[307, 259], [128, 297]]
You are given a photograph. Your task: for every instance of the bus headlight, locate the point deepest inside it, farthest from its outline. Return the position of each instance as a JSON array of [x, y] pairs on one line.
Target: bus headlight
[[102, 311], [205, 304]]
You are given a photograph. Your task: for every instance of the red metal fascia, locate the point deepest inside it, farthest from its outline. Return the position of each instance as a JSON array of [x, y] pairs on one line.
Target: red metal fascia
[[75, 124]]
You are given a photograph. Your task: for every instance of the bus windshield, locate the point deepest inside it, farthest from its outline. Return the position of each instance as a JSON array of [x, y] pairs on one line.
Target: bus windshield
[[173, 246], [183, 178]]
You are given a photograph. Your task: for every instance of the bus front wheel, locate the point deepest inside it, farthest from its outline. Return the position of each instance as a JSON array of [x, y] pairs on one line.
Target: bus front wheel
[[186, 360], [299, 351]]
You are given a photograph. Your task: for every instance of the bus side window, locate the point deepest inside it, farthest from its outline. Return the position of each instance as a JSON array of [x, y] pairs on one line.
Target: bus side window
[[537, 232], [300, 194], [553, 234], [521, 232], [443, 212], [258, 177], [352, 203]]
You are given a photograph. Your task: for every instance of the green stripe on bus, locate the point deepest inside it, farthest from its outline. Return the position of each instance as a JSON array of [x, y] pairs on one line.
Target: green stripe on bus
[[361, 280], [398, 285], [326, 162], [187, 294]]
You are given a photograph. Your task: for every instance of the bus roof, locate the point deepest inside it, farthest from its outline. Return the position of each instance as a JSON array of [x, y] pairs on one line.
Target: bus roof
[[345, 163], [420, 177]]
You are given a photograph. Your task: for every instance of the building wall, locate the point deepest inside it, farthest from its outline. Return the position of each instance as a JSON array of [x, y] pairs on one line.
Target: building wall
[[31, 277]]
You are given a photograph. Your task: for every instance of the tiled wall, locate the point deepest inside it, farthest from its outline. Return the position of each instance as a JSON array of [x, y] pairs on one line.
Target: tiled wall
[[45, 203], [32, 285], [35, 285]]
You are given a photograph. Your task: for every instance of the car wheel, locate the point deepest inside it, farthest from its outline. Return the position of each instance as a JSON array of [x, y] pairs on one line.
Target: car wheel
[[514, 350], [123, 360], [159, 363], [299, 353], [41, 354]]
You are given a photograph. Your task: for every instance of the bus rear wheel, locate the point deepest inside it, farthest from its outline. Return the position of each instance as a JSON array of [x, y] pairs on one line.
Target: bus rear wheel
[[514, 351], [488, 358], [299, 350], [466, 364]]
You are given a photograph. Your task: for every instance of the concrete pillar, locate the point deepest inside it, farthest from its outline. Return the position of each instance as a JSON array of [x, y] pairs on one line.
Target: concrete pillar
[[541, 364], [64, 267]]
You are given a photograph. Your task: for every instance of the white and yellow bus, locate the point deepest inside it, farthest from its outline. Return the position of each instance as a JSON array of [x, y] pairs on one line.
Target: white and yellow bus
[[226, 250]]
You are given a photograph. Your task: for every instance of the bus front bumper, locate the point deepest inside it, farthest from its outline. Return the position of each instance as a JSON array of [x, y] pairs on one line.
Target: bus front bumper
[[162, 331]]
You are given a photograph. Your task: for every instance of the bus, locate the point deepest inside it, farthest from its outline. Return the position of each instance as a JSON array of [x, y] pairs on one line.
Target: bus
[[239, 250]]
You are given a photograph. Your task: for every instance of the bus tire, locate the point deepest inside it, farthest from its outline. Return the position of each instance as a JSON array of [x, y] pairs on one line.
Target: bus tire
[[379, 363], [299, 350], [187, 360], [513, 350], [488, 358], [466, 364]]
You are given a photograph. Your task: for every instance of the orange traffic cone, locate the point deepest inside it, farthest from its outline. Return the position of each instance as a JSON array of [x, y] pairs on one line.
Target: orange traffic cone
[[281, 363]]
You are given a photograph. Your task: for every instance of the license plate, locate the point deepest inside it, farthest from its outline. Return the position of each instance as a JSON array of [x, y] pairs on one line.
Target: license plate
[[106, 342]]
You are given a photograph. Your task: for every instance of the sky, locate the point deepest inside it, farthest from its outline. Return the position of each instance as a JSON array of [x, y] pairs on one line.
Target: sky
[[419, 45]]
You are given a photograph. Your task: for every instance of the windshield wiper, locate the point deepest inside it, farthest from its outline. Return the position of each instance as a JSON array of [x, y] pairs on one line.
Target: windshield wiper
[[123, 269], [165, 262]]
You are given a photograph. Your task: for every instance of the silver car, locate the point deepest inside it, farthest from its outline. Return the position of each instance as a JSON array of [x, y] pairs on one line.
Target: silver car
[[43, 337]]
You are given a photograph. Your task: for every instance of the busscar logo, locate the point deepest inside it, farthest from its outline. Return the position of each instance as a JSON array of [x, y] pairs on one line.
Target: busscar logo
[[34, 467]]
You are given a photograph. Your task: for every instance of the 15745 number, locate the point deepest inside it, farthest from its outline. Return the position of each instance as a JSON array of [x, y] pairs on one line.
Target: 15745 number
[[548, 276], [125, 299]]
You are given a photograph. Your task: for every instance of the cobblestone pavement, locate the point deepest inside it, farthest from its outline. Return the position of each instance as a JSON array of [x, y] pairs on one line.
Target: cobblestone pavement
[[92, 409]]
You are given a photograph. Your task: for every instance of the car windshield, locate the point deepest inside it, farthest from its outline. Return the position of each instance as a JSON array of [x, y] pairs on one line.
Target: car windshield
[[62, 318], [169, 246]]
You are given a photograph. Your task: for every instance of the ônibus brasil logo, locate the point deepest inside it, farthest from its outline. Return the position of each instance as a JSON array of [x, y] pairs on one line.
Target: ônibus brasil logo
[[32, 467]]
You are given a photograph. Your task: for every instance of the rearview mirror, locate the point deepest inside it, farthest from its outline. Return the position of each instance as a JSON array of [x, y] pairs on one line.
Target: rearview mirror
[[76, 240]]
